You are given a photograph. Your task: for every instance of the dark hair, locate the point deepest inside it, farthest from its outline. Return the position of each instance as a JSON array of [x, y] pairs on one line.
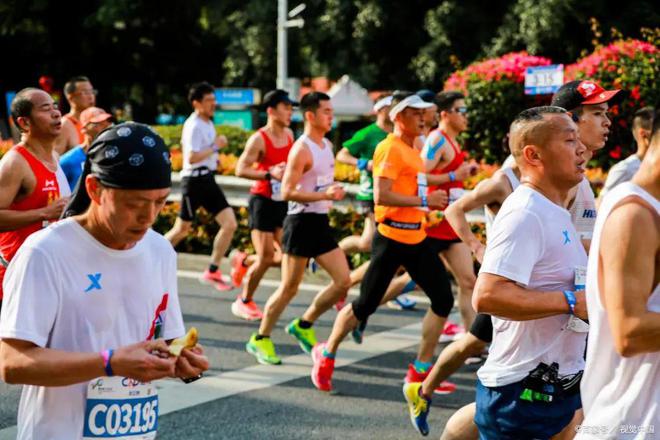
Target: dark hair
[[312, 101], [643, 118], [655, 131], [197, 91], [528, 127], [445, 100], [21, 105], [72, 84]]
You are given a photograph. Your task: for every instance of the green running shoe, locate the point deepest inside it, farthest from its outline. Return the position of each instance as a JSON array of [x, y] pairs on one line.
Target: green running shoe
[[263, 349], [305, 336]]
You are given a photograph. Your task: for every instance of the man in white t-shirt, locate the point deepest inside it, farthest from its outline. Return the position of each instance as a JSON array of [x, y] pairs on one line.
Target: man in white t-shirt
[[621, 384], [527, 284], [626, 169], [92, 300], [200, 146]]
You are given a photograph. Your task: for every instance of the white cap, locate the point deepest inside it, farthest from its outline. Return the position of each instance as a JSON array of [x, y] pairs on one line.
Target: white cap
[[384, 102], [413, 101]]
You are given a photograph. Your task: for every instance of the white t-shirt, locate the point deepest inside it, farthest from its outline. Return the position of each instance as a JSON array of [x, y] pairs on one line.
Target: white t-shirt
[[583, 210], [197, 135], [621, 172], [533, 243], [620, 395], [66, 291]]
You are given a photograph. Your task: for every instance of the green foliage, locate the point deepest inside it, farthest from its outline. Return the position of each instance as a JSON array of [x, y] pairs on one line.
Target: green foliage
[[236, 137]]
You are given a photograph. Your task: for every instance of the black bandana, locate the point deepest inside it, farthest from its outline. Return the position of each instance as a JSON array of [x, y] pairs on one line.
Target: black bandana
[[125, 156]]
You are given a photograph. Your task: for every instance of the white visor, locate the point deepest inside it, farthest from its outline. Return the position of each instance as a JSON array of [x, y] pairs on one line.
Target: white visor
[[386, 101], [412, 101]]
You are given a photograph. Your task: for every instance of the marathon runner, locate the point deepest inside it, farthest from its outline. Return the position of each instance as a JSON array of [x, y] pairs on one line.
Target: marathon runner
[[310, 188], [81, 95], [400, 195], [200, 145], [263, 160], [430, 114], [92, 300], [33, 188], [621, 384], [359, 151]]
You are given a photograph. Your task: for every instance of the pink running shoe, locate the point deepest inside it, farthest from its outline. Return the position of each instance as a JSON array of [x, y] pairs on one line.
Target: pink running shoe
[[215, 279], [341, 303], [323, 368], [238, 270], [248, 311], [451, 332]]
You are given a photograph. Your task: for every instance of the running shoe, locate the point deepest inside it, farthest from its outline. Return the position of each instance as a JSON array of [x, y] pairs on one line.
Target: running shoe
[[263, 349], [451, 332], [418, 406], [413, 376], [215, 279], [402, 302], [322, 369], [305, 336], [341, 303], [238, 269], [246, 310], [358, 332]]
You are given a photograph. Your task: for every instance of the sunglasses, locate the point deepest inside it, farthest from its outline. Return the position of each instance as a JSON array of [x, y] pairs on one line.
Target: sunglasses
[[461, 110]]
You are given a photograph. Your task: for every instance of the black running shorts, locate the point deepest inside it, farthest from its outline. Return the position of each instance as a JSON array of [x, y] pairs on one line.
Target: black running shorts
[[307, 235], [265, 214], [201, 191]]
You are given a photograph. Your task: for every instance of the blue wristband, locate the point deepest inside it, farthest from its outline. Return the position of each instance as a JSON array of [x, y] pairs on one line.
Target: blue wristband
[[107, 356], [452, 176], [425, 202], [362, 164], [570, 299]]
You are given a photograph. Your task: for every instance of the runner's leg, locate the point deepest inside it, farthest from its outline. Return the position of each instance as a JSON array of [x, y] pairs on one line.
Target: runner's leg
[[334, 262], [178, 231], [264, 245], [227, 221], [460, 425], [459, 261]]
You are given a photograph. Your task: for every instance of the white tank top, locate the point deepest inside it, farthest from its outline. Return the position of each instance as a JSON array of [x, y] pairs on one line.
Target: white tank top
[[583, 210], [318, 178], [515, 183], [617, 392]]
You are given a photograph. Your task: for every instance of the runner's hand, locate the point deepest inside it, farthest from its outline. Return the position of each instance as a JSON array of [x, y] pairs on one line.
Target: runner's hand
[[580, 309], [370, 165], [335, 192], [437, 199], [463, 171], [54, 210], [191, 363], [143, 361], [277, 171], [221, 141]]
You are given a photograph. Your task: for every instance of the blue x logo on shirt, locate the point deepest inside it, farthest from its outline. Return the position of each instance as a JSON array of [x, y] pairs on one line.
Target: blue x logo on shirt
[[567, 239], [96, 282]]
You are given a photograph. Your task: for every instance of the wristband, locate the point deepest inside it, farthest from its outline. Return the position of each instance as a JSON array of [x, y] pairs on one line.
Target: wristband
[[425, 202], [570, 299], [107, 355], [362, 164], [267, 176], [452, 176]]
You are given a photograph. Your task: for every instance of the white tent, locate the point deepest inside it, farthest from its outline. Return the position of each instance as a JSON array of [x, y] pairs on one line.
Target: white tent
[[350, 98]]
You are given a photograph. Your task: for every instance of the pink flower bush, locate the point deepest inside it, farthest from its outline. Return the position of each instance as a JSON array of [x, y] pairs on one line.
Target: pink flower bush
[[608, 57]]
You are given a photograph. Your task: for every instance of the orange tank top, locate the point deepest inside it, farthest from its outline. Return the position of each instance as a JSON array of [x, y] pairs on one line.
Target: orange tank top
[[78, 126]]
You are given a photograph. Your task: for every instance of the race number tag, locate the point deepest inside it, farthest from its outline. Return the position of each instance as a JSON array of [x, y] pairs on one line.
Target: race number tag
[[580, 277], [422, 188], [276, 190], [455, 194], [574, 323], [121, 408], [323, 182]]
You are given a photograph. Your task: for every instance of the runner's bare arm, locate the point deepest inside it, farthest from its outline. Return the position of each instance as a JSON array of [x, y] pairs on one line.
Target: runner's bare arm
[[499, 296], [433, 154], [385, 196], [13, 168], [198, 156], [253, 152], [487, 192], [22, 362], [345, 156], [629, 251], [300, 160]]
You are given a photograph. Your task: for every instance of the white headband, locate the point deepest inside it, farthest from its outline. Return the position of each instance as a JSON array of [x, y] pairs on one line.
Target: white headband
[[384, 102], [413, 101]]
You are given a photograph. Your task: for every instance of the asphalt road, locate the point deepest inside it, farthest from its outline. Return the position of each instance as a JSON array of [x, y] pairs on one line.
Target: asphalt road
[[241, 400]]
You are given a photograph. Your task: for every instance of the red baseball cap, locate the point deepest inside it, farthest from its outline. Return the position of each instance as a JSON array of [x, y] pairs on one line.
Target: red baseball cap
[[576, 93]]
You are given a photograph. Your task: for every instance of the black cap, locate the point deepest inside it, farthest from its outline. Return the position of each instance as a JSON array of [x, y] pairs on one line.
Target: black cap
[[274, 97], [426, 95], [573, 94]]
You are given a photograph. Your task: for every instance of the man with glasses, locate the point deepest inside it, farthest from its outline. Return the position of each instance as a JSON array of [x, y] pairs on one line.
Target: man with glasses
[[93, 120], [80, 95]]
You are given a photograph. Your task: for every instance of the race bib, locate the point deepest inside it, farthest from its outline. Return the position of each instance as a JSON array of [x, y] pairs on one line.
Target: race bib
[[121, 408], [422, 188], [323, 182], [584, 218], [580, 280], [580, 277], [455, 194], [276, 190]]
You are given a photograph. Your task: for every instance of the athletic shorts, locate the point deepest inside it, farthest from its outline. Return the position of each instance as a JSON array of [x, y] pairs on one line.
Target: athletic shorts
[[482, 328], [307, 235], [502, 415], [265, 214], [364, 207], [439, 245], [201, 191], [421, 262]]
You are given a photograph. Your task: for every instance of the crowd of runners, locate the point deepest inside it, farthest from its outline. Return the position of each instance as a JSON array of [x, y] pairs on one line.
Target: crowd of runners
[[565, 308]]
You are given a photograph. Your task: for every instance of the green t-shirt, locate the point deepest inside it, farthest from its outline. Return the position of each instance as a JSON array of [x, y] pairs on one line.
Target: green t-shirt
[[362, 145]]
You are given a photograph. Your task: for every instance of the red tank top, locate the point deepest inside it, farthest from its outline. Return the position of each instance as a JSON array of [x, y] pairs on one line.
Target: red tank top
[[443, 230], [273, 156], [45, 192], [78, 126]]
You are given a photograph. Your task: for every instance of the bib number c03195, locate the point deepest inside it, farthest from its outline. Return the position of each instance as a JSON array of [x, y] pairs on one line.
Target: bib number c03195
[[120, 408]]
